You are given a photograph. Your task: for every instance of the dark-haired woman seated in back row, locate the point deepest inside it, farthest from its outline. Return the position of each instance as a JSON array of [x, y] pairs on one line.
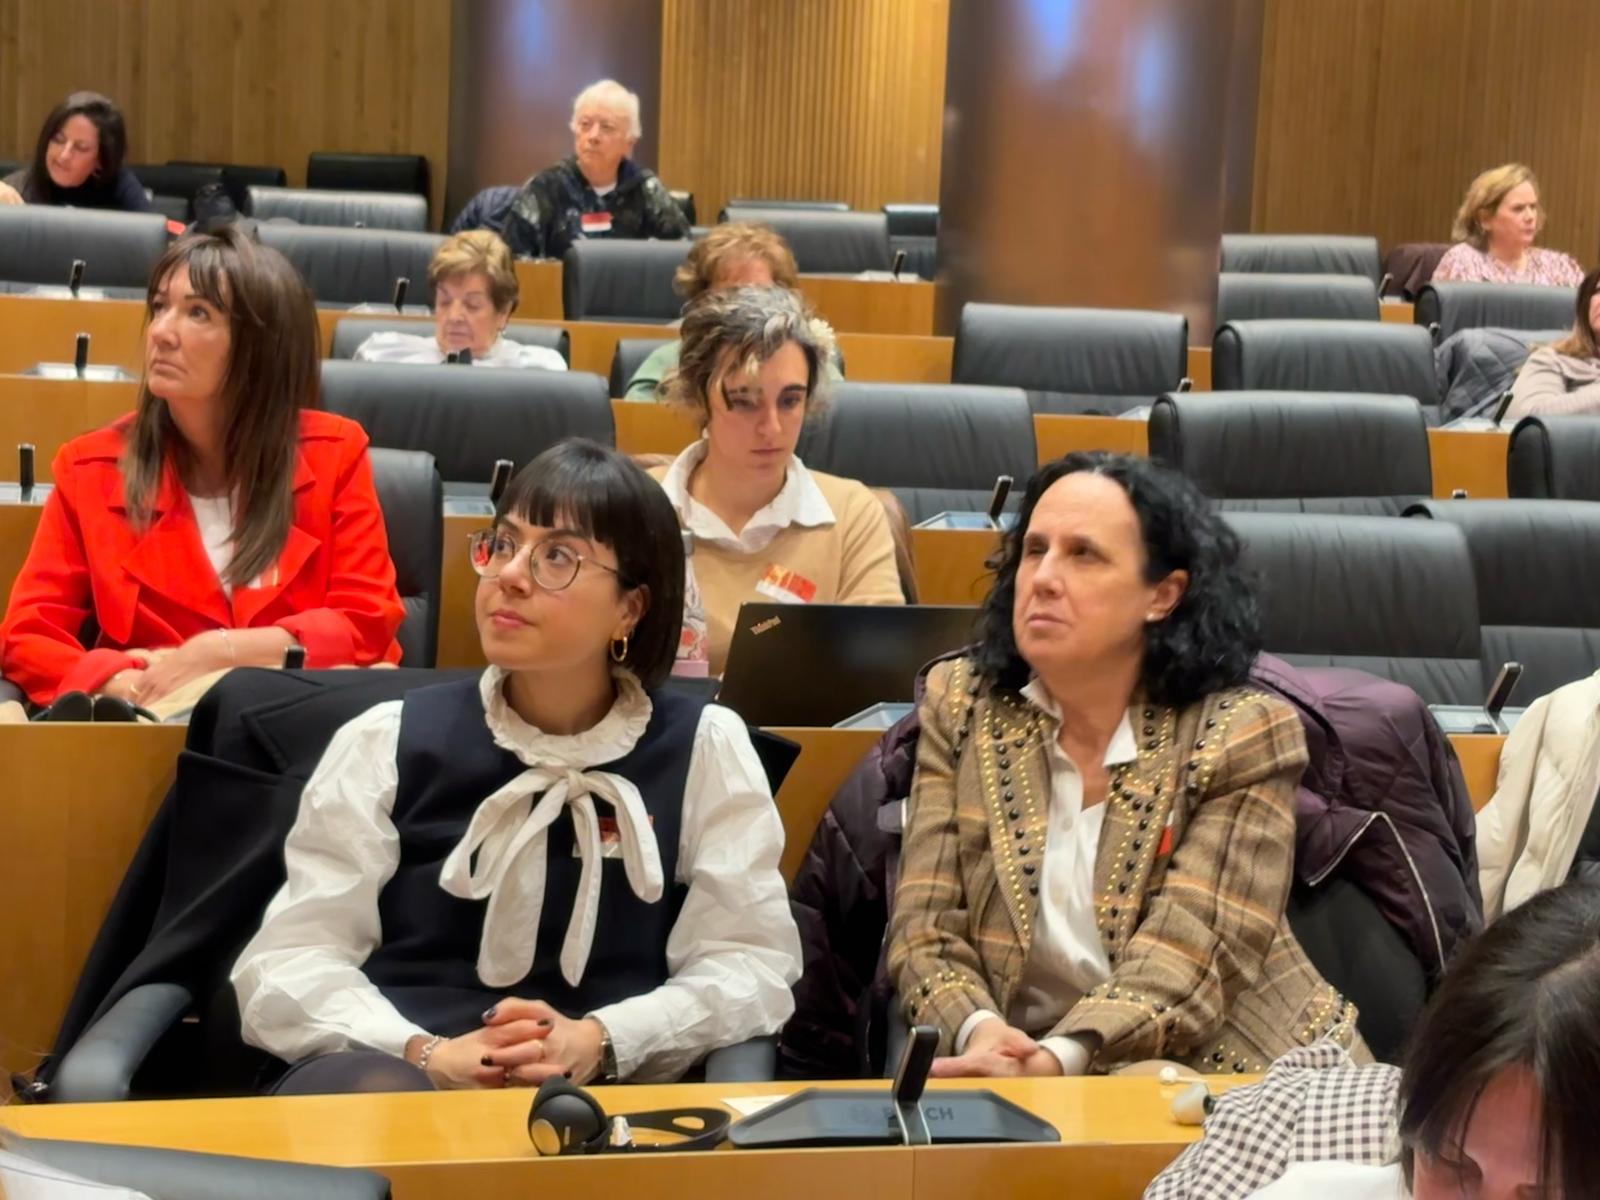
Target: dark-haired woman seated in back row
[[1100, 837], [556, 868], [77, 160]]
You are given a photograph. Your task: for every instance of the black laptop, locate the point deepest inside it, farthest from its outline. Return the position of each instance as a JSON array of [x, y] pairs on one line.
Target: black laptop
[[816, 664]]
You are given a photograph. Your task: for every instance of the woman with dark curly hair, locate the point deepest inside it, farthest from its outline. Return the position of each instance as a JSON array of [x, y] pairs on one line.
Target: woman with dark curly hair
[[1100, 835]]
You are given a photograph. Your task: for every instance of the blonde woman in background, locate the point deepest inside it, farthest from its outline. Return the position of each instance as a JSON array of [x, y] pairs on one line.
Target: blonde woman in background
[[1494, 231]]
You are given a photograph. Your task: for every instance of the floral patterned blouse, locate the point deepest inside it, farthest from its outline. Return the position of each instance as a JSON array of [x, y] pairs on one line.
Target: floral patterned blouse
[[1465, 263]]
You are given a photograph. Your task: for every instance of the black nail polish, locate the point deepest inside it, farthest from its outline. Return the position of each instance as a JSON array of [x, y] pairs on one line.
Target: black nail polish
[[487, 1061], [566, 1074], [488, 1014], [545, 1024]]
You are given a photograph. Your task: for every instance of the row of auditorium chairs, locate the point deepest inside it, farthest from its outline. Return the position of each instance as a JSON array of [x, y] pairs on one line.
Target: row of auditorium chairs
[[179, 180]]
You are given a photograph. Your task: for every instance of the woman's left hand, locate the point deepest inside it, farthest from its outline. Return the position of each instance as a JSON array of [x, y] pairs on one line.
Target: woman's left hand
[[572, 1043], [169, 670]]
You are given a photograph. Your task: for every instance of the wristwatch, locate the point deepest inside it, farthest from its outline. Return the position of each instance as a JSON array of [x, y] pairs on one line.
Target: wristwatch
[[608, 1056]]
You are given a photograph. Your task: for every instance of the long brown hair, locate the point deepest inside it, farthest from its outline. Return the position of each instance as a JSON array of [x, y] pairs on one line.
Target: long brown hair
[[1580, 343], [273, 372], [38, 187]]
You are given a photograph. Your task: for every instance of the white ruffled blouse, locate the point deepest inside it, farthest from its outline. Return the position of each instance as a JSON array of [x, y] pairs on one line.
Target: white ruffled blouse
[[732, 954]]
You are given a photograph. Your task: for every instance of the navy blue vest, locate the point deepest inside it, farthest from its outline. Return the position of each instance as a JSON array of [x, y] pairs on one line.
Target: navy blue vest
[[448, 764]]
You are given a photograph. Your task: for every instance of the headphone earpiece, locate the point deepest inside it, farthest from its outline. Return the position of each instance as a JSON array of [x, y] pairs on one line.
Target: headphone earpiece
[[565, 1119]]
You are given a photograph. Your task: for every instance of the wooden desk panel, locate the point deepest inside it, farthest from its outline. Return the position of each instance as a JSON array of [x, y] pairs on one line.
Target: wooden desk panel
[[1480, 763], [1200, 368], [885, 358], [871, 306], [76, 802], [827, 756], [1115, 1135], [1474, 461], [17, 523], [33, 329], [1058, 435], [1398, 312], [458, 586], [539, 285], [650, 428], [51, 412], [951, 564]]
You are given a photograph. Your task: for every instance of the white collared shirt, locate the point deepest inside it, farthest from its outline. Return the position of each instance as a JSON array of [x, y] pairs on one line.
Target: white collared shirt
[[732, 954], [1067, 956], [800, 502], [396, 347]]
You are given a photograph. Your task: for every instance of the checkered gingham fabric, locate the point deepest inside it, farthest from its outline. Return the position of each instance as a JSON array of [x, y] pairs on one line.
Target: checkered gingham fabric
[[1313, 1105]]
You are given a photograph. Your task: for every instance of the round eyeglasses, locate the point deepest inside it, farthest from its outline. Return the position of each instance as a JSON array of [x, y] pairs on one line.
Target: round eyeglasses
[[552, 563]]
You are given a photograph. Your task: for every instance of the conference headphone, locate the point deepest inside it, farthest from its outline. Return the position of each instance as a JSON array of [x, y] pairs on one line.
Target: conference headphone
[[565, 1119]]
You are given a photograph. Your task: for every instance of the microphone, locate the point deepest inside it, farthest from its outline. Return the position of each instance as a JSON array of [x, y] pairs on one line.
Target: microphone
[[997, 498], [899, 264], [401, 285], [499, 480], [80, 355], [25, 471], [75, 280]]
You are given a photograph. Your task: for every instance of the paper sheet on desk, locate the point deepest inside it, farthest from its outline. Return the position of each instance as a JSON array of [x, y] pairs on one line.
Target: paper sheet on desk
[[749, 1106]]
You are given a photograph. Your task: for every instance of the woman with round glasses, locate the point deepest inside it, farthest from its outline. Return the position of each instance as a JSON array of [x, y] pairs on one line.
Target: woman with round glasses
[[557, 868]]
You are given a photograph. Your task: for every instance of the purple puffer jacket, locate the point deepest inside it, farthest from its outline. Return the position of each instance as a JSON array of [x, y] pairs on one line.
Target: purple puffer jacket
[[1382, 803]]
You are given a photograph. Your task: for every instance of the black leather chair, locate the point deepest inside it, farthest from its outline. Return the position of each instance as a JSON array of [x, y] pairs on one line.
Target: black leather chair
[[350, 332], [1300, 254], [38, 244], [1245, 296], [349, 210], [1326, 356], [1394, 598], [685, 202], [1447, 308], [914, 230], [1297, 451], [938, 447], [412, 499], [178, 180], [629, 357], [1073, 360], [825, 241], [238, 178], [355, 266], [622, 280], [1537, 564], [190, 1175], [802, 205], [1554, 458], [468, 419], [368, 172]]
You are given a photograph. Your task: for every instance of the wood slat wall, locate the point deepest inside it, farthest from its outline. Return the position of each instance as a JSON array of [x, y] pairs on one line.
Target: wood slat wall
[[255, 81], [803, 99], [1375, 114]]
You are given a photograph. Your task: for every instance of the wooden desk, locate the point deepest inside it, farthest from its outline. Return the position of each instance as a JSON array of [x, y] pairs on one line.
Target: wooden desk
[[1480, 763], [1200, 368], [871, 306], [76, 801], [1398, 312], [539, 282], [1058, 435], [17, 523], [51, 412], [890, 358], [1474, 461], [951, 564], [35, 330], [1115, 1135], [649, 428]]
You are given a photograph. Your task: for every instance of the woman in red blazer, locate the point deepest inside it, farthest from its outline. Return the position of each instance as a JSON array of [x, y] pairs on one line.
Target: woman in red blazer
[[223, 521]]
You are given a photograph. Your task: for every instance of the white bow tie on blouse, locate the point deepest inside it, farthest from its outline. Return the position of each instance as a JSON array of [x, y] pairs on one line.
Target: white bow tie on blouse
[[502, 857]]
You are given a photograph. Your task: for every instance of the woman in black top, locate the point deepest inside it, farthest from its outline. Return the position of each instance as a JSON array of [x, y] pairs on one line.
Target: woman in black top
[[78, 160]]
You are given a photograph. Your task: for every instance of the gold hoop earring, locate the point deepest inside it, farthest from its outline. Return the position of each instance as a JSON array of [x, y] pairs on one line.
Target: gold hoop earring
[[618, 656]]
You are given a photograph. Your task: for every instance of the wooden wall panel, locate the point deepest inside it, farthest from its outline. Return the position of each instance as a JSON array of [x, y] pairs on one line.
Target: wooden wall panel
[[255, 81], [1375, 114], [803, 99]]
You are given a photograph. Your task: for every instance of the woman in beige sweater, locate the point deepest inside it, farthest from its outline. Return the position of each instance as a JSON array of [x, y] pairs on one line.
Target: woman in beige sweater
[[764, 527], [1563, 379]]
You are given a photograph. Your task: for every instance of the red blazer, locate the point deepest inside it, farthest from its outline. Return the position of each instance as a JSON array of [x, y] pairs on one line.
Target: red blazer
[[333, 586]]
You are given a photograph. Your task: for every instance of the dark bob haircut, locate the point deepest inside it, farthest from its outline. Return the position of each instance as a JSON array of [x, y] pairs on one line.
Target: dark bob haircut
[[1206, 644], [39, 188], [611, 501], [1525, 993]]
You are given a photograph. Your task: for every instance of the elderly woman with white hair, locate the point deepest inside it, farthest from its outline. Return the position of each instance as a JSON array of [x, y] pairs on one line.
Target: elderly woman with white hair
[[598, 191]]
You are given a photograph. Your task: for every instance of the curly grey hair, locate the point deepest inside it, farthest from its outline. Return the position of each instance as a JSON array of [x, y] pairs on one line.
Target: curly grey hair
[[748, 325]]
